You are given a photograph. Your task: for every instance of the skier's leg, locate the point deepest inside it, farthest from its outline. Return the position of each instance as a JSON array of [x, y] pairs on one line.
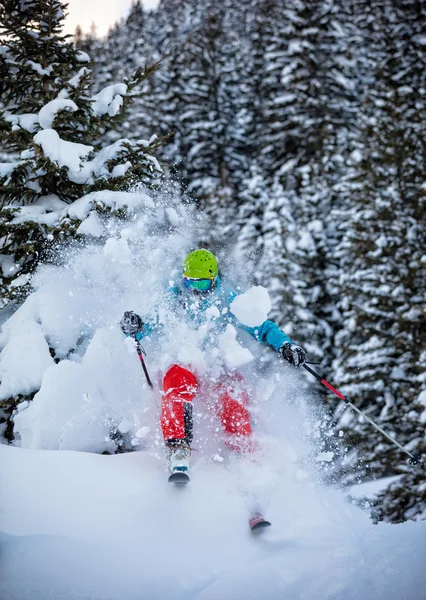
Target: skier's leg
[[234, 415], [180, 387]]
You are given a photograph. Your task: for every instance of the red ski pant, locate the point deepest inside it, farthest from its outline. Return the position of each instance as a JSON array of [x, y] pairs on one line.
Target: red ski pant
[[180, 388]]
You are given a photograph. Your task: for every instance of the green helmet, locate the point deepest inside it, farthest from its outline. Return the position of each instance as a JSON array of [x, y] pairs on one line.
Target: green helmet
[[200, 264]]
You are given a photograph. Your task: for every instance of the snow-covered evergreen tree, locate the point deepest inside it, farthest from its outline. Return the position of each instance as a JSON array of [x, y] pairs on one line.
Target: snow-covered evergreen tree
[[54, 121], [382, 268], [127, 49]]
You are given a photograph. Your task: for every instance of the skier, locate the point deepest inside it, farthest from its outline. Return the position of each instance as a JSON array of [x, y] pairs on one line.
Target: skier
[[201, 288]]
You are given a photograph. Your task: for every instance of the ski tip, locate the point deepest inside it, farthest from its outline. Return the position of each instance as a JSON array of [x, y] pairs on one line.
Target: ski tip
[[257, 523], [179, 478]]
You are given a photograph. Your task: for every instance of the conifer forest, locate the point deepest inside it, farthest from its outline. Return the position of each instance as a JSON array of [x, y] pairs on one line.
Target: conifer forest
[[297, 130]]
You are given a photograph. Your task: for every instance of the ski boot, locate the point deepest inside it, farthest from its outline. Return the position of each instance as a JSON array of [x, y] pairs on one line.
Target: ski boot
[[179, 464]]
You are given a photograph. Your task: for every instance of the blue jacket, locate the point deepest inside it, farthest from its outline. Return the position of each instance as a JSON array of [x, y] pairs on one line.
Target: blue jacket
[[195, 306]]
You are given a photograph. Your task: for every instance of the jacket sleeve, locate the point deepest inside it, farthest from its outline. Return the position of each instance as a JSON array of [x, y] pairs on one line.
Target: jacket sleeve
[[150, 326], [269, 334]]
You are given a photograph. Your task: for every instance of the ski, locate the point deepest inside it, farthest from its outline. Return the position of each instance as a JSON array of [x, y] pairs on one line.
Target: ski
[[179, 478], [257, 523]]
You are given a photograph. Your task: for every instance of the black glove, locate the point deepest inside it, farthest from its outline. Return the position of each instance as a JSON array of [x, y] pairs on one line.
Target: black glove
[[131, 323], [294, 354]]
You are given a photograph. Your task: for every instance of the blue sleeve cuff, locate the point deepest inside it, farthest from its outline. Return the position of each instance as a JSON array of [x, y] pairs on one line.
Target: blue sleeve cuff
[[148, 328], [270, 334]]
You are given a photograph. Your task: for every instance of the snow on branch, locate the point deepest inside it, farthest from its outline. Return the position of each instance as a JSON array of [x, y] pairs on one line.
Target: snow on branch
[[29, 122], [64, 154], [109, 100], [50, 110]]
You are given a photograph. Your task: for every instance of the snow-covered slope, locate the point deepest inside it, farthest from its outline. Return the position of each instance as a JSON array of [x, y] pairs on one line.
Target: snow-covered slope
[[83, 526]]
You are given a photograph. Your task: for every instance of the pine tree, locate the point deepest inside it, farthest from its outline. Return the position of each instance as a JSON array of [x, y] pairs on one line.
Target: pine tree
[[382, 272], [203, 123], [54, 121], [139, 54], [128, 48], [275, 269], [246, 233], [36, 60], [304, 97]]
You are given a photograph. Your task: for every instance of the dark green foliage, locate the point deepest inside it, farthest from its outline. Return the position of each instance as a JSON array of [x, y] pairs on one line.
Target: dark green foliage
[[37, 57]]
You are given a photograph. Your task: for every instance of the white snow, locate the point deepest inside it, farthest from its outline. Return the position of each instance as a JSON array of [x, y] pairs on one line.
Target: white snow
[[75, 81], [48, 113], [370, 489], [118, 251], [109, 100], [75, 310], [356, 156], [8, 265], [212, 313], [325, 457], [78, 526], [252, 307], [422, 400], [404, 90], [285, 98], [121, 170], [64, 154], [39, 69], [287, 167], [7, 168], [21, 280], [91, 226], [306, 241], [233, 354], [75, 157], [343, 80], [82, 56], [46, 210], [81, 208], [172, 216], [27, 121], [296, 46], [142, 432], [76, 408], [25, 355]]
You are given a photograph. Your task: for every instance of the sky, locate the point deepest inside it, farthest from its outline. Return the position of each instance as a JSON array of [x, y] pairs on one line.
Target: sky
[[103, 13]]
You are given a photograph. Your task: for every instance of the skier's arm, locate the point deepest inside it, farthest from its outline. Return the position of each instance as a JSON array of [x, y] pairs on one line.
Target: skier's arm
[[270, 334]]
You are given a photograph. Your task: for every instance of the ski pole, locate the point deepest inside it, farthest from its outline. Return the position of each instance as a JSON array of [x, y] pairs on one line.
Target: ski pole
[[414, 456], [141, 352]]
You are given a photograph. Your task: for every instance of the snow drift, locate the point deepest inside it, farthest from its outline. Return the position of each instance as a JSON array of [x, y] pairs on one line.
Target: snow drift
[[83, 526]]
